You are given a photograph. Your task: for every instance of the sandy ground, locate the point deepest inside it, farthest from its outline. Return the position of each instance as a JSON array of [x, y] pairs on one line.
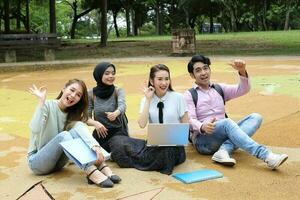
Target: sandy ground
[[275, 94]]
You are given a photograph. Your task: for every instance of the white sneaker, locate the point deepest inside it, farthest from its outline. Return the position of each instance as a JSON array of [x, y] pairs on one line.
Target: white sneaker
[[275, 160], [222, 157]]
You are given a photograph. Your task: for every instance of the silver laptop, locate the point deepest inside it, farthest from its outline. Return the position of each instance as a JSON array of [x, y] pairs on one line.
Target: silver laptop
[[173, 134]]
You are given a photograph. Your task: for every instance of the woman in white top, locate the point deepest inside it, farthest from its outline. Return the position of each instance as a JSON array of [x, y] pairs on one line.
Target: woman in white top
[[131, 152], [58, 120], [160, 90]]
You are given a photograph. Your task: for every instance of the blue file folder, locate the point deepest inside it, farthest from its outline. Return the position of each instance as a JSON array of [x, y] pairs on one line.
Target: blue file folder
[[197, 176], [80, 153]]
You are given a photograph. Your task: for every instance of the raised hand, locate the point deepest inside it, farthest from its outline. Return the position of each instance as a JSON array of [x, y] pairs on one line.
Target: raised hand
[[149, 92], [40, 93], [239, 65]]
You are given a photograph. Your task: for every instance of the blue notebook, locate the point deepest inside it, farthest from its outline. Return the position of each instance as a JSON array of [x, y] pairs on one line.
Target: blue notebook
[[80, 153], [197, 176]]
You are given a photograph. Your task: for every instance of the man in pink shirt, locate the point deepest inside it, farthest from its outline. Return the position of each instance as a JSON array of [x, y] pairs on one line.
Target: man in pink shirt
[[211, 131]]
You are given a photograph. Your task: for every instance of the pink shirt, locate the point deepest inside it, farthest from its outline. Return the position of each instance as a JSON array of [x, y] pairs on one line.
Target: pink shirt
[[210, 103]]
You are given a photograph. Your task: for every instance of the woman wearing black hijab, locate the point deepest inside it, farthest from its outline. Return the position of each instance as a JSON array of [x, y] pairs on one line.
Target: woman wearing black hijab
[[106, 105], [106, 108]]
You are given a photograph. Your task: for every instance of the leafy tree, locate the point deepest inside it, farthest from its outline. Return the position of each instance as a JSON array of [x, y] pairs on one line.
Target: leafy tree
[[127, 5], [75, 6], [158, 7], [196, 8], [104, 35], [289, 7], [115, 6], [139, 15]]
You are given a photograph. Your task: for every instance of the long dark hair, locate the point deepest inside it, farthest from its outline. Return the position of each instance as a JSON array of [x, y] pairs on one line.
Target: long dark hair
[[77, 112], [156, 68]]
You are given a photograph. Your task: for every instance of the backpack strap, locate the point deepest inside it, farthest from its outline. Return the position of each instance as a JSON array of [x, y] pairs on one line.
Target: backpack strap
[[116, 96], [91, 96], [218, 88], [194, 94]]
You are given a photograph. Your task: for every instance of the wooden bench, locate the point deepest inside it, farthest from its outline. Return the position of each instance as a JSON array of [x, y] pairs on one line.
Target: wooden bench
[[10, 43]]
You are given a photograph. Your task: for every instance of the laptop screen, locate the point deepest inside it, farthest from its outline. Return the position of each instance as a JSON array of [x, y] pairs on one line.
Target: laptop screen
[[171, 134]]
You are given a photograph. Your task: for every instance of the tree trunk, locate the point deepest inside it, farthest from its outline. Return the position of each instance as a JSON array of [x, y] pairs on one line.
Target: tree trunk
[[127, 13], [52, 16], [116, 24], [135, 29], [159, 30], [287, 15], [18, 15], [73, 26], [192, 22], [74, 21], [172, 14], [187, 17], [0, 21], [133, 23], [230, 8], [74, 7], [232, 21], [127, 17], [157, 17], [137, 22], [264, 23], [211, 20], [287, 20], [27, 17], [6, 17], [161, 27], [103, 23]]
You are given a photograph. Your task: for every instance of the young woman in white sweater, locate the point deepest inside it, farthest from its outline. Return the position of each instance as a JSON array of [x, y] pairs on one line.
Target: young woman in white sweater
[[58, 120]]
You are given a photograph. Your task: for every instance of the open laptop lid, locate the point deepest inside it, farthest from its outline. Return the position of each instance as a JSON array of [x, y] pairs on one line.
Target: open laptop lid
[[172, 134]]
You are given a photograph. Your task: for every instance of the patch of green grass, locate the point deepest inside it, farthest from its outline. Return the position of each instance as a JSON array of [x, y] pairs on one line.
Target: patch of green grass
[[242, 43], [283, 84]]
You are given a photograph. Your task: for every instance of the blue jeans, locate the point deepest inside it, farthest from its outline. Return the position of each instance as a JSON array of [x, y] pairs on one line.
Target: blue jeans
[[51, 157], [229, 135]]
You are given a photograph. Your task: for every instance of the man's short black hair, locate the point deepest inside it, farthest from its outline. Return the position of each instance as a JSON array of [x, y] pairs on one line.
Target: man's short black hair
[[197, 58]]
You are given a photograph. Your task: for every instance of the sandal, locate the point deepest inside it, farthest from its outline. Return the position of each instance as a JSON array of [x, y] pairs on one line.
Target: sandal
[[114, 178], [107, 183]]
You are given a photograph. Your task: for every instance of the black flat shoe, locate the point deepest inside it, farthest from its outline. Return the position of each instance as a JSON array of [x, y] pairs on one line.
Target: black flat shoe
[[115, 178], [107, 183]]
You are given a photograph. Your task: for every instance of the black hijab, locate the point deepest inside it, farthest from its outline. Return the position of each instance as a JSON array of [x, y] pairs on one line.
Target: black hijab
[[102, 90]]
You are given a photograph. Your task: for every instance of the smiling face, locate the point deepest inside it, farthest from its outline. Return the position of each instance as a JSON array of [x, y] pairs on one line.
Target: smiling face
[[71, 95], [201, 74], [161, 82], [108, 77]]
